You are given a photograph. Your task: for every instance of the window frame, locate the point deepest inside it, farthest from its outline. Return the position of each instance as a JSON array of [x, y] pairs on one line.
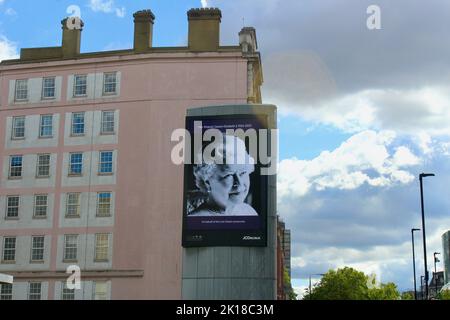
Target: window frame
[[99, 204], [94, 294], [43, 126], [64, 294], [104, 122], [33, 248], [43, 96], [78, 205], [39, 165], [14, 128], [15, 177], [30, 294], [73, 124], [35, 206], [4, 249], [105, 84], [7, 216], [100, 163], [75, 85], [101, 252], [17, 89], [4, 294], [65, 248], [72, 173]]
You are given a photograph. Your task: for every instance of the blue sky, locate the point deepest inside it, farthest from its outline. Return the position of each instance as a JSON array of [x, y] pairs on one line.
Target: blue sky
[[361, 113]]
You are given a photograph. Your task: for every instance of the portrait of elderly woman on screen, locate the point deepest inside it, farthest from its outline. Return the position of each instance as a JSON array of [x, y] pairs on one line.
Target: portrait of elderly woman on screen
[[223, 186]]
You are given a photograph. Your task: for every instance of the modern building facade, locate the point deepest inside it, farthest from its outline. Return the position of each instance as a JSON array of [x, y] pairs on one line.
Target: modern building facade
[[284, 288], [446, 255], [85, 155], [436, 284]]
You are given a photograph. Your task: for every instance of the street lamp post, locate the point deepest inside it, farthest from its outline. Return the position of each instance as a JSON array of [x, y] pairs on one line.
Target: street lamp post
[[421, 176], [316, 274], [414, 261], [422, 286], [435, 272]]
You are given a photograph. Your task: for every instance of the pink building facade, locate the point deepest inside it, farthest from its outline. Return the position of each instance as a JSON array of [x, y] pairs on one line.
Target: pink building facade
[[85, 155]]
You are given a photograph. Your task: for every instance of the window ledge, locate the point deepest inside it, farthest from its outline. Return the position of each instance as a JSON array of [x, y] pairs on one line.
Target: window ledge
[[12, 218], [74, 175], [101, 260], [103, 216], [46, 137], [37, 261], [15, 178], [18, 139], [72, 216], [106, 173], [70, 260], [108, 133], [42, 177], [39, 217], [9, 262], [77, 135]]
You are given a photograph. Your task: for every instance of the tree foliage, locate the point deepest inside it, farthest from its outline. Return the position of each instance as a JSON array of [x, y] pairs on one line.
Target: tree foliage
[[288, 286], [386, 291], [444, 295], [407, 296], [350, 284]]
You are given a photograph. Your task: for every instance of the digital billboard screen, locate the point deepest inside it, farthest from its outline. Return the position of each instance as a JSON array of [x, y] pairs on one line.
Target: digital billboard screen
[[225, 192]]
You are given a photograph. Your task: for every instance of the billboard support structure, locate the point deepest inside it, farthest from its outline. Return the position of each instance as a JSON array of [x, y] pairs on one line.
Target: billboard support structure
[[232, 254]]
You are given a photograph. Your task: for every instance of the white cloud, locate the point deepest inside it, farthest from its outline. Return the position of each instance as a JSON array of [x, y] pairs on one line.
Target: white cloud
[[424, 142], [10, 12], [120, 12], [425, 110], [363, 158], [204, 3], [445, 148], [8, 49], [300, 291], [391, 263], [101, 5], [404, 157], [106, 6]]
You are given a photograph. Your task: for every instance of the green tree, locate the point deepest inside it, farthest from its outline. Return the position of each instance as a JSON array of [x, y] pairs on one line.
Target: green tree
[[386, 291], [343, 284], [444, 295], [288, 286], [351, 284], [407, 296]]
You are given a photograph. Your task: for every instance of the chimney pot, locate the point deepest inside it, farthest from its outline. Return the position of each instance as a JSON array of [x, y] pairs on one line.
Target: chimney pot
[[143, 30], [71, 39], [204, 29]]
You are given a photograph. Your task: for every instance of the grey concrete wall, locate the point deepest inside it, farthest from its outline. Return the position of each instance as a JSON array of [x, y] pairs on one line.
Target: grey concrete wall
[[237, 273], [446, 255]]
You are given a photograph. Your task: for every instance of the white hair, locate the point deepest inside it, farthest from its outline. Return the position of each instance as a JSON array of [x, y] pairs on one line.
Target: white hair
[[233, 151]]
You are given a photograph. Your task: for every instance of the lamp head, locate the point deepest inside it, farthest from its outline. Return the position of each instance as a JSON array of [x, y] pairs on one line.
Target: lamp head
[[423, 175], [415, 229], [435, 258]]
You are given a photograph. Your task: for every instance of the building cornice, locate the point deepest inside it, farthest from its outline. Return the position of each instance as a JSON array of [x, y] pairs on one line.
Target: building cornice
[[85, 274], [122, 56]]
